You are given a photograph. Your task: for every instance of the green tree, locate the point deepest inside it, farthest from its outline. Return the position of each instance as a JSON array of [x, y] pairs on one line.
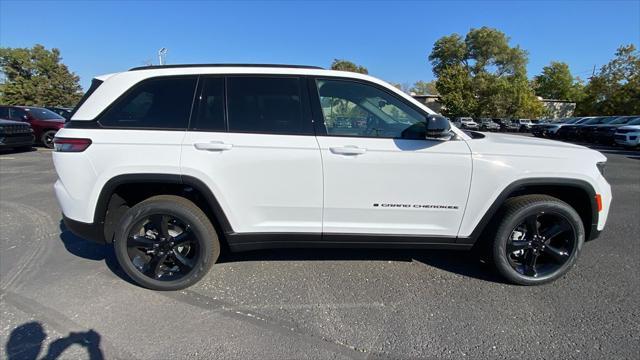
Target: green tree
[[556, 82], [345, 65], [481, 75], [424, 88], [404, 87], [36, 76], [615, 90]]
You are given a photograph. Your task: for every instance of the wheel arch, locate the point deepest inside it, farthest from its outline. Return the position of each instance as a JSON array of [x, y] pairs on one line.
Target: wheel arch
[[123, 191], [579, 194]]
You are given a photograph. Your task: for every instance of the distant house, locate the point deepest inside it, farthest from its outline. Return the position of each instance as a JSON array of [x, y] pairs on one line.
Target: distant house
[[431, 101], [559, 108], [555, 108]]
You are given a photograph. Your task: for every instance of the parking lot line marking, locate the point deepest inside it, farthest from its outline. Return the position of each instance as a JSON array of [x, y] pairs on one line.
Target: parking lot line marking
[[313, 306]]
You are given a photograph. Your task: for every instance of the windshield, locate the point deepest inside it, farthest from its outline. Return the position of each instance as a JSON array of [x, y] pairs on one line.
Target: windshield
[[635, 121], [43, 114]]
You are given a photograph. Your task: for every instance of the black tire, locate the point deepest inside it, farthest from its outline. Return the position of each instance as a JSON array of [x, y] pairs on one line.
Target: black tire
[[47, 138], [203, 244], [555, 258]]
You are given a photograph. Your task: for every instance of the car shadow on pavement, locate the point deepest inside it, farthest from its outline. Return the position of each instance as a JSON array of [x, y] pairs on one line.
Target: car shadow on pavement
[[465, 263], [92, 251], [11, 151], [27, 341]]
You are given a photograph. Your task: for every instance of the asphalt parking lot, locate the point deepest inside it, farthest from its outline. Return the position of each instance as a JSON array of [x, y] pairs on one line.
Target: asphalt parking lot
[[62, 296]]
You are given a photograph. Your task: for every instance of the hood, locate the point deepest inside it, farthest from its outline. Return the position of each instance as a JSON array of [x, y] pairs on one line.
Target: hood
[[523, 147], [11, 122], [629, 127], [515, 140], [61, 121]]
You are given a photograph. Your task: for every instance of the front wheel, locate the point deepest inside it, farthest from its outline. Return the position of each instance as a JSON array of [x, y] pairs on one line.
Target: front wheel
[[537, 240], [166, 243]]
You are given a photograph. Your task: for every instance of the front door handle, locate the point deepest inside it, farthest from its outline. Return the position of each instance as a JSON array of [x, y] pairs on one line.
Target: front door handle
[[348, 150], [213, 146]]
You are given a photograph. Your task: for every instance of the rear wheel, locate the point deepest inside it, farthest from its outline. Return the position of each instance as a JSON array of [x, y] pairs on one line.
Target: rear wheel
[[537, 240], [166, 243], [47, 138]]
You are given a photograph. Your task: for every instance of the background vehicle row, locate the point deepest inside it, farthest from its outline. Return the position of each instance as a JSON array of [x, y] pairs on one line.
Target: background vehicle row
[[608, 130], [44, 122]]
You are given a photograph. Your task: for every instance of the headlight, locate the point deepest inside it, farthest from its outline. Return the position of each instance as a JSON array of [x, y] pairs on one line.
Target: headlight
[[601, 167]]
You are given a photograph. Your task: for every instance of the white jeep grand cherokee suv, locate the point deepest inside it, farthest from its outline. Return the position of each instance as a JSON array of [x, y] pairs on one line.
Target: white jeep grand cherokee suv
[[172, 163]]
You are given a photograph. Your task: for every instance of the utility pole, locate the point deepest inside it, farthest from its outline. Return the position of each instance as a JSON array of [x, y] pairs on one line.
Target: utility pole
[[162, 54]]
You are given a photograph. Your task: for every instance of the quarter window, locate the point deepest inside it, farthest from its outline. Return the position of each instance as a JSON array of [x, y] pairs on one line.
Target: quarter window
[[156, 103], [266, 105], [355, 109]]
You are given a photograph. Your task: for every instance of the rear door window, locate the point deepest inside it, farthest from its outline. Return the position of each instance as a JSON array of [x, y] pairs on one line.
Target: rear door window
[[162, 103], [267, 105], [18, 114], [210, 115]]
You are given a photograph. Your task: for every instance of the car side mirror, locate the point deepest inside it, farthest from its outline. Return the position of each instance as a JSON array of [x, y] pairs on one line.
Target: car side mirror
[[438, 127]]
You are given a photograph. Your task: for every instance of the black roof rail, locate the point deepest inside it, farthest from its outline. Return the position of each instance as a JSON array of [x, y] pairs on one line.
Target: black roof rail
[[150, 67]]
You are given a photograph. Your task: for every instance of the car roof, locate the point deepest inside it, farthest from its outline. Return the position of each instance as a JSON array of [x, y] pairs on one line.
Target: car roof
[[26, 107], [177, 66], [115, 84]]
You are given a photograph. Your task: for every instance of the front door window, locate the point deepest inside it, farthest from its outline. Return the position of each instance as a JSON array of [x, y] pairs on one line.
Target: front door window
[[358, 110]]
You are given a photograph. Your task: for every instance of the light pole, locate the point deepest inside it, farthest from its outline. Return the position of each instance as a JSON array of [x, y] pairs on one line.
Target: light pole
[[162, 53]]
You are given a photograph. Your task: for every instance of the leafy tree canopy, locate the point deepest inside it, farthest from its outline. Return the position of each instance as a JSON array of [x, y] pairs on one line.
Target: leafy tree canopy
[[481, 75], [424, 88], [345, 65], [615, 89], [556, 82], [36, 76]]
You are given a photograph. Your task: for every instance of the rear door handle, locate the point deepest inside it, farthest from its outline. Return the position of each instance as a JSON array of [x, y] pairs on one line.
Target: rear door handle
[[213, 146], [348, 150]]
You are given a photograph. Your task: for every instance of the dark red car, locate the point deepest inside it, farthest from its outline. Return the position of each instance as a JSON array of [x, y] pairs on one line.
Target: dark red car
[[45, 123]]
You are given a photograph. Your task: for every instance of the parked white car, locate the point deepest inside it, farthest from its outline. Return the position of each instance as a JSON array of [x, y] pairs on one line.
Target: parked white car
[[628, 136], [170, 164], [466, 123], [486, 124], [523, 125]]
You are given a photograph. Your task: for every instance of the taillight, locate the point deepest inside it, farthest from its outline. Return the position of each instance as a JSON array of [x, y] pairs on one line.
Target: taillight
[[70, 144]]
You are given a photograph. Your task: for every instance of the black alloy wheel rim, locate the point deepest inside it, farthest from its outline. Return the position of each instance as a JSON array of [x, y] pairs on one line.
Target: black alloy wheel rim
[[541, 244], [163, 247]]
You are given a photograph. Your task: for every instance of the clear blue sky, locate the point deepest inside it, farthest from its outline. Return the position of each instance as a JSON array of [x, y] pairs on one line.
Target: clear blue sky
[[392, 39]]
